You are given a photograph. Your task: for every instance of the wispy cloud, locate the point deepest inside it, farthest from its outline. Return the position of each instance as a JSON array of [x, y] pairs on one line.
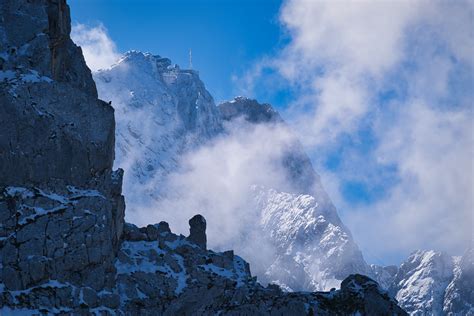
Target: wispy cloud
[[99, 50], [397, 74]]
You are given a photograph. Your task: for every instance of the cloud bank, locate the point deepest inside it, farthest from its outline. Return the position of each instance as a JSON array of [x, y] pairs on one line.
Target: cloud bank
[[384, 89], [99, 50]]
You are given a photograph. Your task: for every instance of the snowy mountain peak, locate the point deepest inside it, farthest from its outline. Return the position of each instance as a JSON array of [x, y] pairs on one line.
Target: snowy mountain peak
[[138, 58], [249, 109], [161, 111]]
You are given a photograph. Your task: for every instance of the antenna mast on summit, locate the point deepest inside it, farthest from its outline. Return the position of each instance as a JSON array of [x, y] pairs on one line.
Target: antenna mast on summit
[[190, 59]]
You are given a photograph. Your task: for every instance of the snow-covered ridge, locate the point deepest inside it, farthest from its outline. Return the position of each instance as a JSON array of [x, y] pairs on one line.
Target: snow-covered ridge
[[315, 250], [431, 283], [161, 112]]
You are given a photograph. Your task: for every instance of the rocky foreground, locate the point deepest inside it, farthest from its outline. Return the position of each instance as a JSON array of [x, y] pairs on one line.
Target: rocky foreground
[[59, 257], [64, 245]]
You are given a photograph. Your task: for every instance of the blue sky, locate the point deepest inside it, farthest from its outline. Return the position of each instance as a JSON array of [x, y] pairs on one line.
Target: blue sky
[[226, 36], [380, 94]]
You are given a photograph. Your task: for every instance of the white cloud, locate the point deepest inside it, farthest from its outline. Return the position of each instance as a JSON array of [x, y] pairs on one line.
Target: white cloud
[[99, 50], [217, 180], [431, 206], [362, 35], [340, 58]]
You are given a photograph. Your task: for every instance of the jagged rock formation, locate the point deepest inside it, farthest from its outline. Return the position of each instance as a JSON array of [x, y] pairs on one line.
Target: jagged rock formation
[[171, 275], [431, 283], [64, 246], [250, 110]]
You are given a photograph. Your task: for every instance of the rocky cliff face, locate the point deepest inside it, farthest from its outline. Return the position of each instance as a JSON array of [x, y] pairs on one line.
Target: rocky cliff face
[[61, 208], [64, 246], [45, 82]]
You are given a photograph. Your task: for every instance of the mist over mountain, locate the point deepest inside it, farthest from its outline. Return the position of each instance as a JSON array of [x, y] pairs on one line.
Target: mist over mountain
[[246, 171], [239, 164], [123, 189]]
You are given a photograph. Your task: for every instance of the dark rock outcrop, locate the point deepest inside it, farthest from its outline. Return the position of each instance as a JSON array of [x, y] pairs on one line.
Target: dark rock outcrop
[[197, 231], [248, 109], [177, 277], [61, 208], [54, 129]]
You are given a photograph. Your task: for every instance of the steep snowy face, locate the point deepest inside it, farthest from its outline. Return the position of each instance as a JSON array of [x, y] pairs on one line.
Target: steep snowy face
[[161, 111], [459, 295], [421, 281], [431, 283], [313, 248]]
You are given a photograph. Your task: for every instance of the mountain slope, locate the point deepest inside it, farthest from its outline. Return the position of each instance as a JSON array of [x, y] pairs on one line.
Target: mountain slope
[[161, 111], [170, 134], [314, 250], [431, 283], [459, 294]]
